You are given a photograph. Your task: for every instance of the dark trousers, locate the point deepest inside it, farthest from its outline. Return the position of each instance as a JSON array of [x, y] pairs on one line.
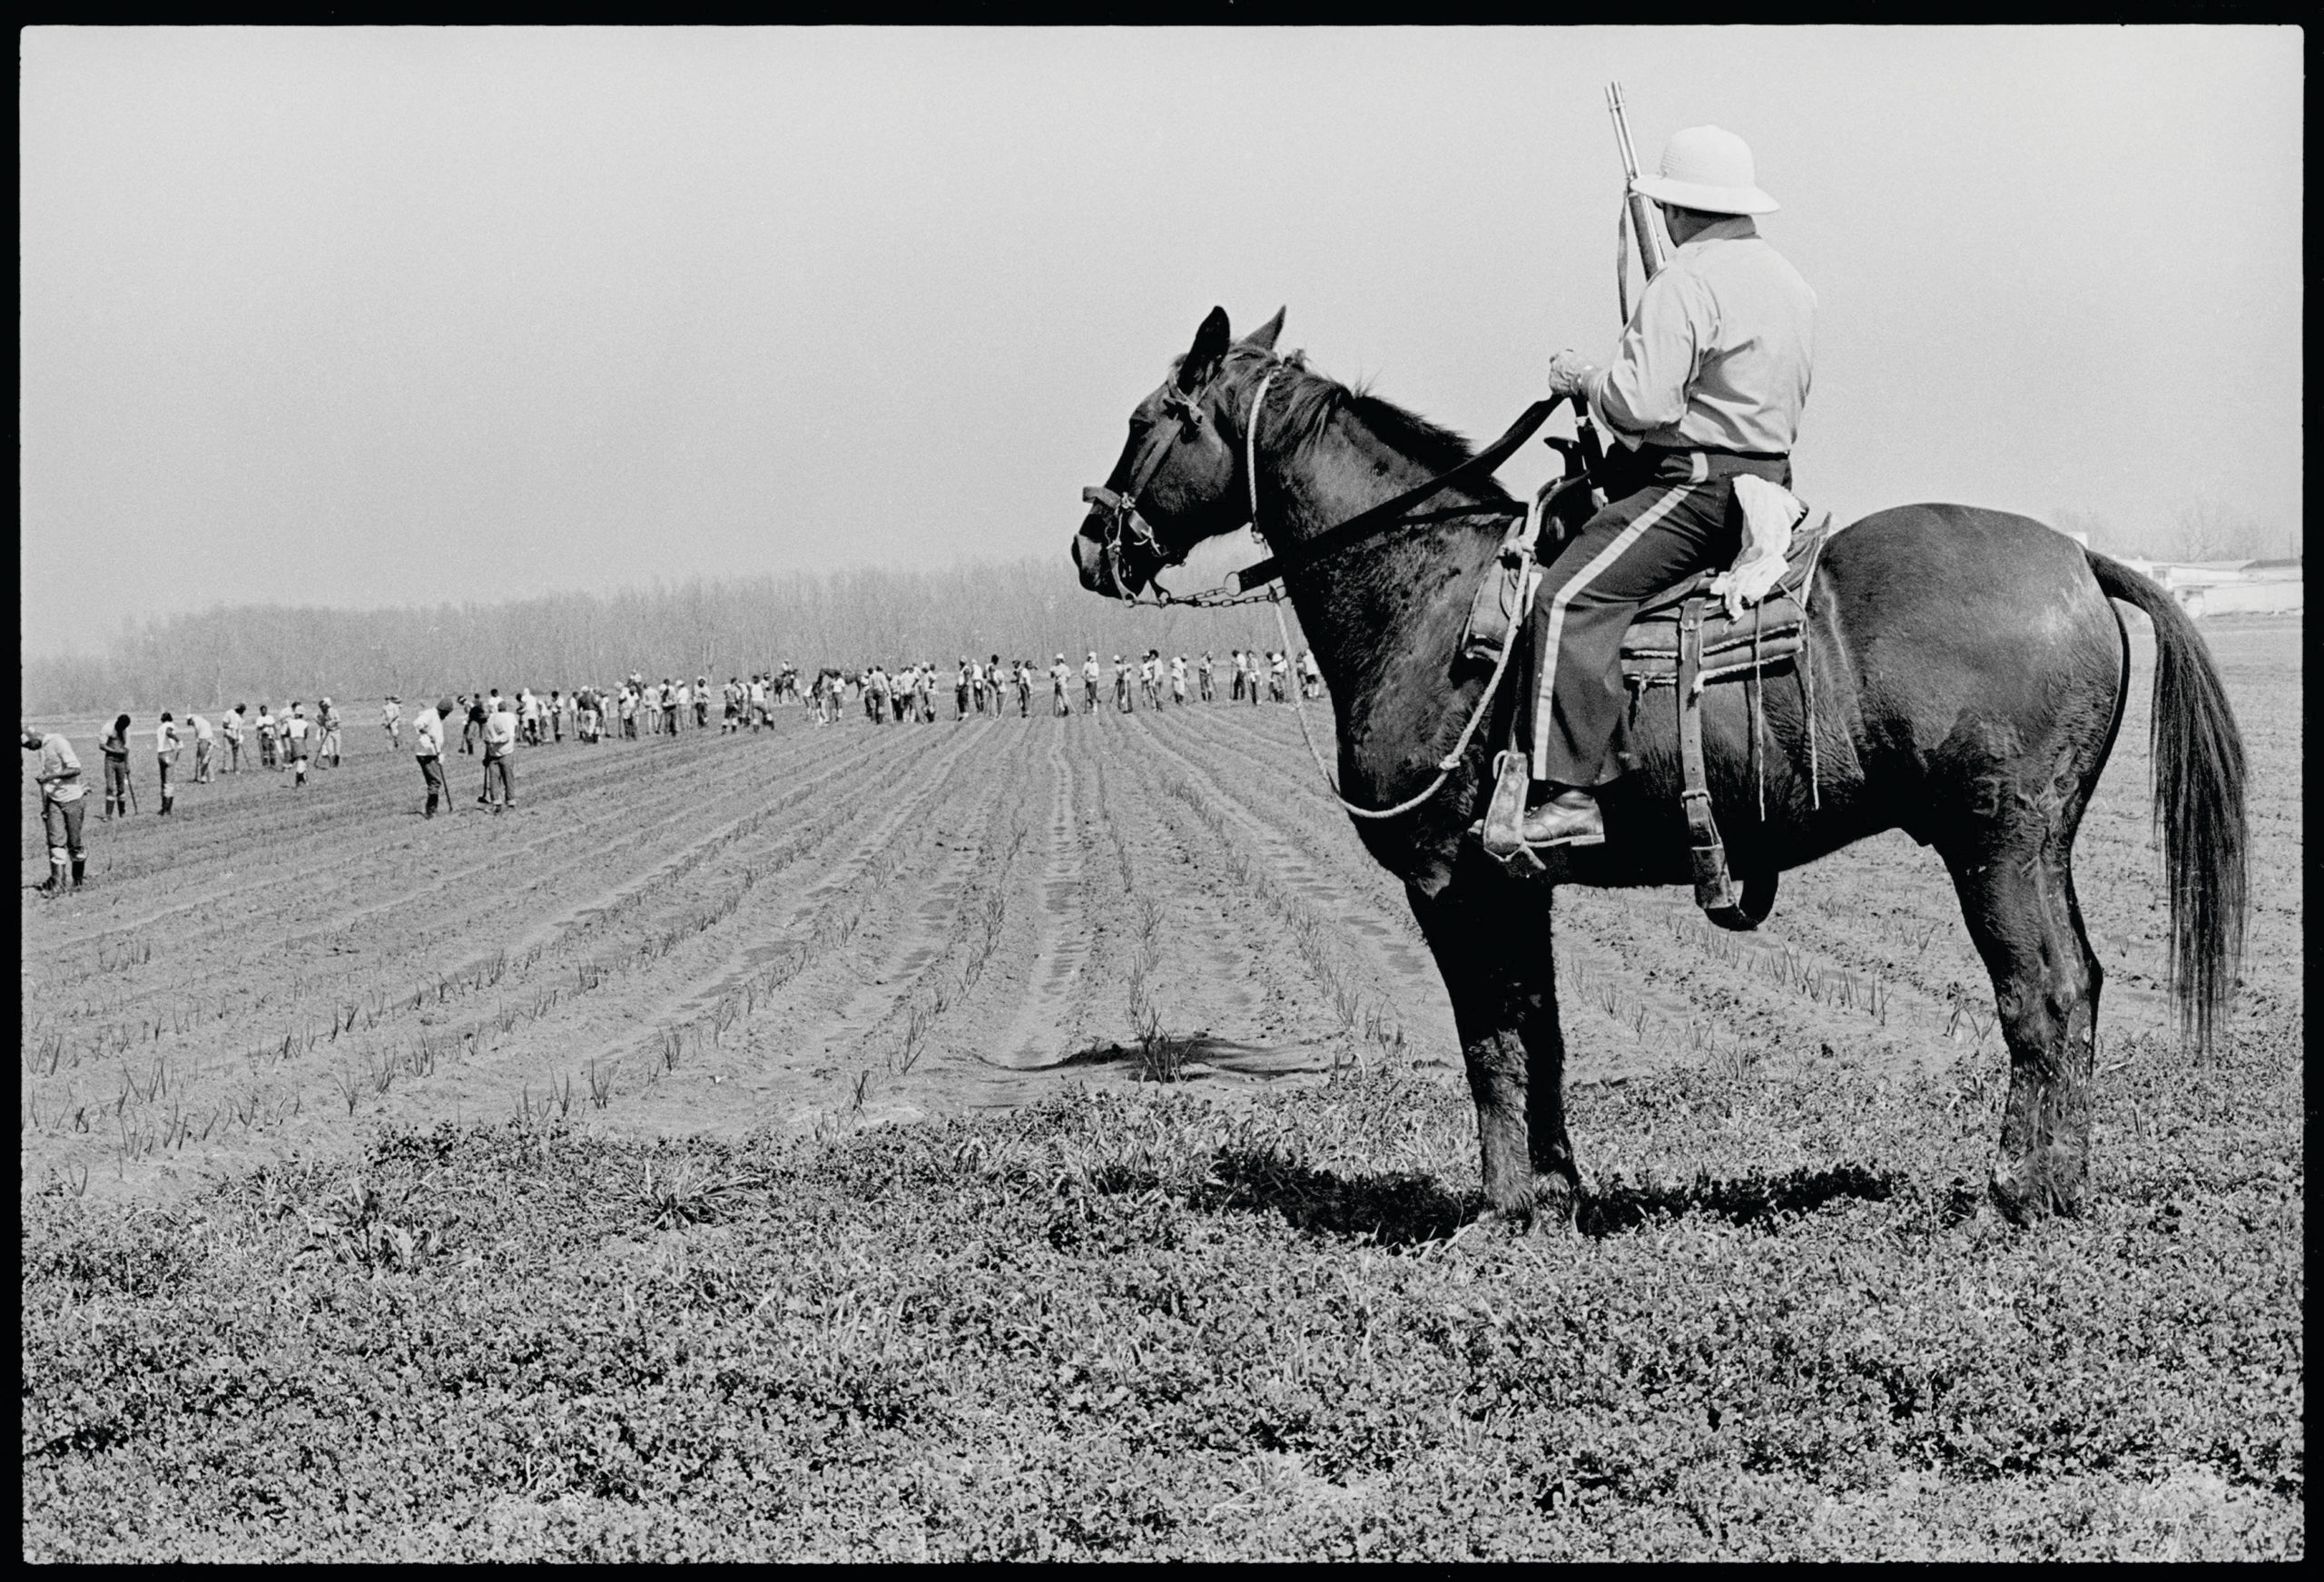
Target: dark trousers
[[1682, 522], [431, 772], [62, 821]]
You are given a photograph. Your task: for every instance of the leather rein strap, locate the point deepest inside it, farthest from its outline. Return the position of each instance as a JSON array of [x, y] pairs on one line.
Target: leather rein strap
[[1392, 513]]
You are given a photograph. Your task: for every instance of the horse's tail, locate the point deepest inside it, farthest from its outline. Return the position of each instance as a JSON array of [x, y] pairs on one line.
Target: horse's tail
[[2199, 773]]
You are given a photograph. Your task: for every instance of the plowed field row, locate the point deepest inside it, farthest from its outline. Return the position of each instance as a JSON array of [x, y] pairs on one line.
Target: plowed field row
[[820, 927]]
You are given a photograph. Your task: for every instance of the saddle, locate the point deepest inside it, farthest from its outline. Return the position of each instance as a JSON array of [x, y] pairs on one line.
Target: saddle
[[1692, 635], [1732, 641]]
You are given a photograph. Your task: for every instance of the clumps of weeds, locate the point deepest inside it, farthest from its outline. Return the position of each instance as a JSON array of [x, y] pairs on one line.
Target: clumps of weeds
[[147, 1085], [1126, 1323], [120, 955], [352, 1226], [1739, 1062], [531, 1114], [691, 1194], [918, 1017], [601, 1083], [46, 1055], [1160, 1056], [1972, 1017]]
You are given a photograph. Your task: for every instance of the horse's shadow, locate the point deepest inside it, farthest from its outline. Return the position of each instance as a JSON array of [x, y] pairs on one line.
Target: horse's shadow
[[1411, 1210]]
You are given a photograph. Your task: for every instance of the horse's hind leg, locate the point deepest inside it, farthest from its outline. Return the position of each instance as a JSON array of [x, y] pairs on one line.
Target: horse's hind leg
[[2017, 897], [1492, 947]]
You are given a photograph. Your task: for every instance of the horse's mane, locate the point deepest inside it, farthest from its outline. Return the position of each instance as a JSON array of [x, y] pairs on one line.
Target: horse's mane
[[1301, 404]]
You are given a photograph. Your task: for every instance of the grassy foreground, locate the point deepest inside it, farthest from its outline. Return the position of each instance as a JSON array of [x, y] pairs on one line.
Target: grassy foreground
[[1147, 1326]]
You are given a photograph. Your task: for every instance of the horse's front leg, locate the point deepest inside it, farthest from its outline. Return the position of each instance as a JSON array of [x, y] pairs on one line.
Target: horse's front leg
[[1491, 944]]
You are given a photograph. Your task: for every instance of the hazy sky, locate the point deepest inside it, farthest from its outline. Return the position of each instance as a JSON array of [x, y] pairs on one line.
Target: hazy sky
[[393, 316]]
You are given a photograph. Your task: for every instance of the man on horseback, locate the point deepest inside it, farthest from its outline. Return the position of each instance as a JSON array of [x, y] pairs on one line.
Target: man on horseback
[[1707, 385]]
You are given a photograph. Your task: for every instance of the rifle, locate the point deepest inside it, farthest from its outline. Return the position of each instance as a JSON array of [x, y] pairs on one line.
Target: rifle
[[1639, 216]]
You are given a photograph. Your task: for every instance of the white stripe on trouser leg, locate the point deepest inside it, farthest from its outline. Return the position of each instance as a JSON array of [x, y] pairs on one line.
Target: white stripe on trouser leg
[[1555, 639]]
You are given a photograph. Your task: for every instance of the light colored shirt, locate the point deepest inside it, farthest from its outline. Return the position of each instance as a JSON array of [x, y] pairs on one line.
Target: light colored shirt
[[500, 733], [59, 775], [427, 734], [1718, 351], [201, 727], [165, 740]]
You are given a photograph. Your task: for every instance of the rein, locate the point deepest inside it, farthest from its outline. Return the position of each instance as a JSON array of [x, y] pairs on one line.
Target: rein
[[1264, 578], [1249, 578]]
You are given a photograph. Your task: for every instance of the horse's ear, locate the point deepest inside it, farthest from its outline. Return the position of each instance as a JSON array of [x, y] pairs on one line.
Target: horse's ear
[[1202, 358], [1263, 336]]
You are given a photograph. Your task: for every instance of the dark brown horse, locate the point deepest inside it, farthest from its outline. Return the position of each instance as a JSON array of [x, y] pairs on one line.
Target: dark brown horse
[[1970, 676]]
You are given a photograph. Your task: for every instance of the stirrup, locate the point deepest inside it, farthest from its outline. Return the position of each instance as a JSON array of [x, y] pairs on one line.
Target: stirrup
[[1501, 830]]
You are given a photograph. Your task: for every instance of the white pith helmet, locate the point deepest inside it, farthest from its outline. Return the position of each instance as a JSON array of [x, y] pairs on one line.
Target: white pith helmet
[[1707, 168]]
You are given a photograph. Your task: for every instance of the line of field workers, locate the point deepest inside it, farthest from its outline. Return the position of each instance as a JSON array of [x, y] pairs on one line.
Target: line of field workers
[[816, 927]]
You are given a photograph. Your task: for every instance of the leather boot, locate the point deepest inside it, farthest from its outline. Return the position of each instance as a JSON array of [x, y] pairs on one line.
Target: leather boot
[[79, 865], [1571, 818], [56, 879]]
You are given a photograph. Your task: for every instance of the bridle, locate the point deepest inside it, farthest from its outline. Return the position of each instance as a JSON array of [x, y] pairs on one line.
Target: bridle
[[1125, 523]]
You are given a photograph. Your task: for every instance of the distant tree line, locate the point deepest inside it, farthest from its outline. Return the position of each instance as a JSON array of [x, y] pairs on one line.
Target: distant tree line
[[2201, 529], [1033, 608]]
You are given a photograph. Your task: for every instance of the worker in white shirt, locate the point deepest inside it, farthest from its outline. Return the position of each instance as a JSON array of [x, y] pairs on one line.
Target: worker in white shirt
[[391, 720], [295, 731], [203, 744], [62, 803], [165, 757], [230, 726], [499, 757], [427, 747]]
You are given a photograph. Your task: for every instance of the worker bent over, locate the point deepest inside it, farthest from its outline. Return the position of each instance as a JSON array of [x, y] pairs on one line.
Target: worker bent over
[[63, 804]]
